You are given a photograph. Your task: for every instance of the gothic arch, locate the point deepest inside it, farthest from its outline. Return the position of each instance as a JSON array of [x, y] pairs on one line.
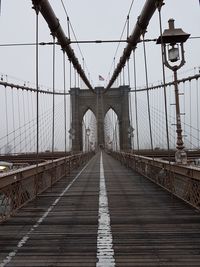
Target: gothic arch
[[99, 103]]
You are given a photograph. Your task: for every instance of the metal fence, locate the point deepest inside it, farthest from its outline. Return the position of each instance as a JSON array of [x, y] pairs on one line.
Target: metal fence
[[21, 186], [182, 181]]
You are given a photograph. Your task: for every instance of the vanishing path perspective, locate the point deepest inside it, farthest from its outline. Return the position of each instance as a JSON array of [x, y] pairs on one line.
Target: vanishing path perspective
[[102, 215]]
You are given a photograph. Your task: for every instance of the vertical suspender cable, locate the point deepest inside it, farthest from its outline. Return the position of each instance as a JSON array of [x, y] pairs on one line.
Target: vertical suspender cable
[[70, 124], [65, 113], [78, 78], [136, 106], [29, 121], [190, 97], [97, 113], [130, 108], [25, 137], [37, 97], [123, 71], [147, 86], [70, 74], [53, 114], [114, 65], [13, 115], [197, 96], [20, 137], [164, 81], [83, 64], [37, 83], [74, 77], [131, 121], [6, 105], [32, 116], [64, 83], [128, 67], [184, 110]]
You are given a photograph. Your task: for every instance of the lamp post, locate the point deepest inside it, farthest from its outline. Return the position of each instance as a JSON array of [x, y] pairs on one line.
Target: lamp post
[[88, 134], [71, 136], [172, 41], [131, 136]]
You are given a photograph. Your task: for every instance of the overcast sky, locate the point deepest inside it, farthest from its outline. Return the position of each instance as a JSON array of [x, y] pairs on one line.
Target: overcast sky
[[91, 20]]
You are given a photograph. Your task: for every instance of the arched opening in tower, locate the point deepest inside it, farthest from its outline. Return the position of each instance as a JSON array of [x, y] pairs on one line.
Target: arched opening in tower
[[111, 130], [89, 131]]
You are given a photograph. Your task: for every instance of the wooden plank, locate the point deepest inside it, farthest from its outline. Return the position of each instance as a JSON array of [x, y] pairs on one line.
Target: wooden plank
[[149, 226]]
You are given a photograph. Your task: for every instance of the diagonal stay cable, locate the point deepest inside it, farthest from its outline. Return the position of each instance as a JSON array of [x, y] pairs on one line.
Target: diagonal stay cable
[[75, 36]]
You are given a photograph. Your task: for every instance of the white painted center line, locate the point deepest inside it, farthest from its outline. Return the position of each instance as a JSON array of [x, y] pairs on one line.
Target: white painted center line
[[105, 251], [25, 238]]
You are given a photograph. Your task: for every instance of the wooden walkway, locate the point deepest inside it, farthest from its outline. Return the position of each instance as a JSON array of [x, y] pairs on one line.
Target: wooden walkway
[[71, 224]]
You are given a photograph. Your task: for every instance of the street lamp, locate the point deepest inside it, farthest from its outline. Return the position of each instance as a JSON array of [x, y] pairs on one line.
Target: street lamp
[[172, 41], [131, 135], [71, 136], [88, 134]]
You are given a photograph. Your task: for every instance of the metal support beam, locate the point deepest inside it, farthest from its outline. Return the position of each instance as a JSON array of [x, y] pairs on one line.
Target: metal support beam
[[47, 12], [139, 29]]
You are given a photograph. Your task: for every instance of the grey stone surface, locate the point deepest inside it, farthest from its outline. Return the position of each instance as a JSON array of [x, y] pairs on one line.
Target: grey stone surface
[[100, 103]]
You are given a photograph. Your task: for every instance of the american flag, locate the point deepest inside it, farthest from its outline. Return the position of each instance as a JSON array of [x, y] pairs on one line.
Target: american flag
[[101, 78]]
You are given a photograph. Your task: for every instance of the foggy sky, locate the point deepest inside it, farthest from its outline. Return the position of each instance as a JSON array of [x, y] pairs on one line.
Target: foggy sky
[[91, 20]]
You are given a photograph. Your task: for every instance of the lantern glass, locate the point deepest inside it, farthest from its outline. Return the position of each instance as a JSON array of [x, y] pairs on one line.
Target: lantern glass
[[173, 53]]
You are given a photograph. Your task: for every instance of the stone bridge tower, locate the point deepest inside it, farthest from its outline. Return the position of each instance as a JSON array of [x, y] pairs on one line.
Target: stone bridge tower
[[100, 103]]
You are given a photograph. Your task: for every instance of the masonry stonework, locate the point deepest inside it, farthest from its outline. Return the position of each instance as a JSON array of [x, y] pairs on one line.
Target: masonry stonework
[[100, 103]]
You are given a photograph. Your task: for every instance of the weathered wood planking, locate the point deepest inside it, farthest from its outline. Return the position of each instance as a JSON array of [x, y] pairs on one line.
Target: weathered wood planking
[[149, 226]]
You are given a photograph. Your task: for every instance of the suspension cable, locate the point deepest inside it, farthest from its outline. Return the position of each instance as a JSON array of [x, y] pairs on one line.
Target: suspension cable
[[159, 6], [36, 7], [65, 113], [147, 86], [128, 69], [70, 74], [25, 136], [13, 118], [37, 83], [28, 104], [53, 111], [190, 108], [19, 120], [197, 96], [131, 121], [6, 109], [70, 26], [126, 24], [136, 106]]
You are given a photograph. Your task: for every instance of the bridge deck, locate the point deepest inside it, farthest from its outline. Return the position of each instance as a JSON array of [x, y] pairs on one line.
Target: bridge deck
[[148, 227]]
